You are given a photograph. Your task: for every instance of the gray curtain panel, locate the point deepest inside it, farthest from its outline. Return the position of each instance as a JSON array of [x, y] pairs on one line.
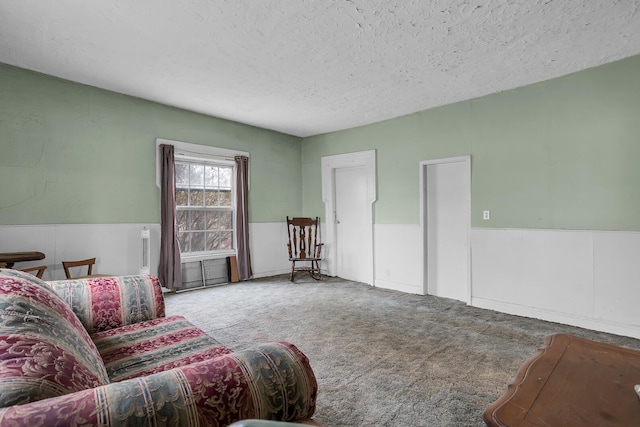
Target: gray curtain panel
[[242, 217], [170, 268]]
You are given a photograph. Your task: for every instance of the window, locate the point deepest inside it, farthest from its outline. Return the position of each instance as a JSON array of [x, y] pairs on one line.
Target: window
[[205, 206]]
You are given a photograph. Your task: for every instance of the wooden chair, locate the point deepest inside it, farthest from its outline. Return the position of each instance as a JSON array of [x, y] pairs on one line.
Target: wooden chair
[[70, 264], [39, 269], [304, 245]]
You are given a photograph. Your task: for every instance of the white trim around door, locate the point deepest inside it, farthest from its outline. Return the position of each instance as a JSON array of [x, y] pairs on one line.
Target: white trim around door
[[424, 200], [366, 159]]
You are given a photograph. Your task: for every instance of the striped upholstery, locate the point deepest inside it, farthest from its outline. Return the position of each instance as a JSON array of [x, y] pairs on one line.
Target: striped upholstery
[[137, 367], [44, 349], [272, 381], [104, 303], [154, 346]]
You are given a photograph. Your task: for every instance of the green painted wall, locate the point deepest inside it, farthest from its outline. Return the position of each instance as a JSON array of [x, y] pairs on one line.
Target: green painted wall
[[561, 154], [71, 153]]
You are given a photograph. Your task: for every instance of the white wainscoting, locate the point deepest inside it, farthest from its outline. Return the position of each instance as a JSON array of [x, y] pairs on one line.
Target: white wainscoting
[[398, 257], [582, 278], [116, 247], [268, 243], [269, 254], [589, 279]]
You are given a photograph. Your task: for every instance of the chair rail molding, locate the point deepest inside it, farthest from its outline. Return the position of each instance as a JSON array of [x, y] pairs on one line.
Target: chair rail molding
[[366, 159]]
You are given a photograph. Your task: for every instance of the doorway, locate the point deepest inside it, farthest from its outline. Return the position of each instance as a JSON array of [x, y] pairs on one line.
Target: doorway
[[446, 224], [352, 230], [348, 191]]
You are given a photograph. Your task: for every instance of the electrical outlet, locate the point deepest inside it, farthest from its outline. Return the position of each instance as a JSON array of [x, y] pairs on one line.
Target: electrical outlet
[[206, 272], [486, 215]]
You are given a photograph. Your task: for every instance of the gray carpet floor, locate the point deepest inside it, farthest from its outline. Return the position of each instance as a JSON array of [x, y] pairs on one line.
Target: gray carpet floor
[[381, 357]]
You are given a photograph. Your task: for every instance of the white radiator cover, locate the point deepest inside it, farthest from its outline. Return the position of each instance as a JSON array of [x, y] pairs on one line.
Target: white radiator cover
[[145, 251]]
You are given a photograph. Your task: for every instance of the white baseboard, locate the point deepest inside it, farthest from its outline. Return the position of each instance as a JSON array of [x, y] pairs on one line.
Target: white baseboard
[[558, 317], [396, 286], [262, 274]]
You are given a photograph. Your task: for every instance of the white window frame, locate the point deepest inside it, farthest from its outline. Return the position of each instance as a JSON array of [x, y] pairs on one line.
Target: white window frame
[[188, 161], [206, 154]]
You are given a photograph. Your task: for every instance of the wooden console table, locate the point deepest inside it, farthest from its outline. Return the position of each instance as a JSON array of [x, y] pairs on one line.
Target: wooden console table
[[572, 381], [10, 258]]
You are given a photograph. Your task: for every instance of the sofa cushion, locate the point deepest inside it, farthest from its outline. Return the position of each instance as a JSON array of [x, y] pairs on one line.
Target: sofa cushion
[[103, 303], [44, 349], [154, 346], [273, 381], [277, 377]]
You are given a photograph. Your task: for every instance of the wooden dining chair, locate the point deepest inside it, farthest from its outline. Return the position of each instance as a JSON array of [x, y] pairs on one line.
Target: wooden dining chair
[[85, 262], [38, 269], [304, 246]]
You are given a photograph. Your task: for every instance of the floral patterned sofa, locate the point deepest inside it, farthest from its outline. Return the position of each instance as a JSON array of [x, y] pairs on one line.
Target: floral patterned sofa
[[100, 352]]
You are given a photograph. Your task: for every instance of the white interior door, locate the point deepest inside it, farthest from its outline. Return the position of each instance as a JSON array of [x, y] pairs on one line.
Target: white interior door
[[354, 243], [447, 221]]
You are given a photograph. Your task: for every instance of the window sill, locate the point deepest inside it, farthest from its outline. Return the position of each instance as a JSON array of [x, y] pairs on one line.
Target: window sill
[[205, 256]]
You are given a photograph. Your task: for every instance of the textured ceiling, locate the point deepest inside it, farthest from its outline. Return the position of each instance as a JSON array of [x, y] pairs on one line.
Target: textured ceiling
[[306, 67]]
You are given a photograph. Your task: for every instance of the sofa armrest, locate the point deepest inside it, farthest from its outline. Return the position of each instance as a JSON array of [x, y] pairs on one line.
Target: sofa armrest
[[103, 303], [272, 381]]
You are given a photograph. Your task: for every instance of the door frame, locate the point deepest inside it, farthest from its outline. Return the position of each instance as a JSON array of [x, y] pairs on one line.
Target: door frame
[[424, 197], [366, 159]]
